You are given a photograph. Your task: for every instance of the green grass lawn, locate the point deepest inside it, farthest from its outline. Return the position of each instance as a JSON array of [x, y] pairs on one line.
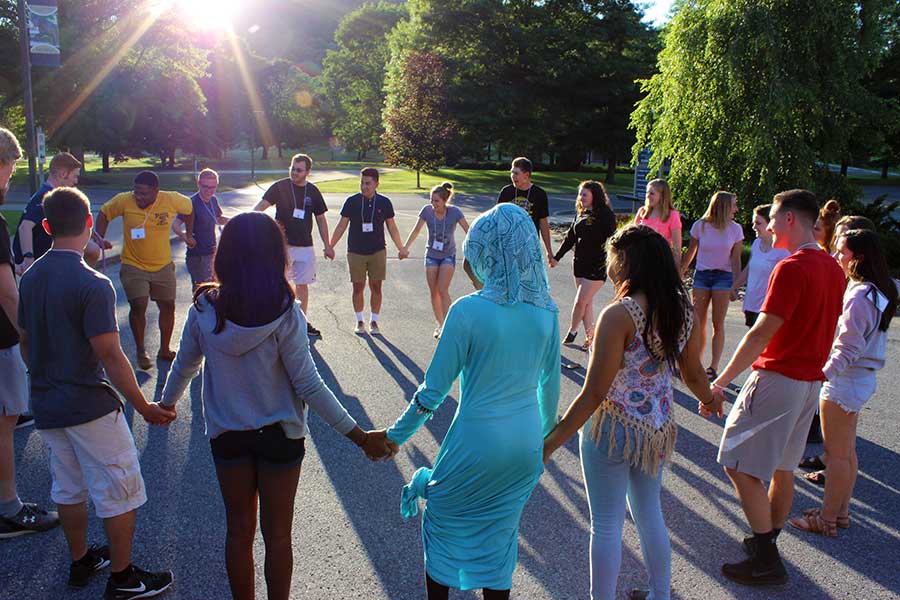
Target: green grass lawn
[[12, 219], [471, 182]]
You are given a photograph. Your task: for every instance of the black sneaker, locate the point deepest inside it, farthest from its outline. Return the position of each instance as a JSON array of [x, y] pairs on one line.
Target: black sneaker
[[751, 572], [312, 331], [141, 584], [31, 519], [570, 337], [749, 545], [24, 421], [81, 571], [638, 594]]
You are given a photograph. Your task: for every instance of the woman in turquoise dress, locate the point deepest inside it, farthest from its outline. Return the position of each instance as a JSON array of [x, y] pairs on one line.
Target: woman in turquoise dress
[[503, 344]]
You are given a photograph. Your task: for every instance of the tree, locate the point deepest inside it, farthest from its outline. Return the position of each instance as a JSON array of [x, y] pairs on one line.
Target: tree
[[418, 129], [353, 74], [750, 94]]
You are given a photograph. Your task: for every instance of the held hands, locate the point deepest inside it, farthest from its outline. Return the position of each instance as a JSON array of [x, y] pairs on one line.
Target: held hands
[[379, 446], [403, 252], [26, 262], [157, 414], [189, 241], [329, 252], [715, 406], [553, 262], [734, 295]]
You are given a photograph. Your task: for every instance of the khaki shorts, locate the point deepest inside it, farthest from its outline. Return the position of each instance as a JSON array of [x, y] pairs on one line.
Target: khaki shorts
[[302, 267], [372, 265], [14, 393], [767, 427], [96, 459], [158, 285]]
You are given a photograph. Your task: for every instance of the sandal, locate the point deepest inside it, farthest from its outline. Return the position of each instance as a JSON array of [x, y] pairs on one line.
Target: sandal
[[711, 373], [812, 463], [587, 343], [816, 477], [815, 523], [842, 522]]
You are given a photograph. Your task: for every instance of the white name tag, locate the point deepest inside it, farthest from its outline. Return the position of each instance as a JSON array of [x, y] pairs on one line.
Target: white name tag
[[439, 246], [299, 213], [368, 227], [138, 233]]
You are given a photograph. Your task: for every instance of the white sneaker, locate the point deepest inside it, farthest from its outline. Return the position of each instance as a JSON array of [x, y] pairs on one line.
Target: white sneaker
[[373, 328], [437, 333], [360, 328]]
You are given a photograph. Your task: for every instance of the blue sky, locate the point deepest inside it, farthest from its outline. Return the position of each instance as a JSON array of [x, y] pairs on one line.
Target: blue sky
[[656, 10]]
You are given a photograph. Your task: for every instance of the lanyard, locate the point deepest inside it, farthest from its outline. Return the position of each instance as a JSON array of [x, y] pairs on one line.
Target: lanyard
[[443, 224], [208, 207], [362, 205], [527, 197], [294, 195]]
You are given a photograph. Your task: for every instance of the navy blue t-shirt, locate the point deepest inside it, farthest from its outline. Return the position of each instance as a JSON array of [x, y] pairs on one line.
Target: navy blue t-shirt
[[34, 212], [360, 211], [205, 220], [63, 303]]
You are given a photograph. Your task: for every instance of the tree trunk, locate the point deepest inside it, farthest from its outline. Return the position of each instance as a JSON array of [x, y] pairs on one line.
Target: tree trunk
[[162, 159], [280, 151], [104, 156], [844, 164], [611, 168], [172, 159], [265, 153], [418, 181], [884, 170]]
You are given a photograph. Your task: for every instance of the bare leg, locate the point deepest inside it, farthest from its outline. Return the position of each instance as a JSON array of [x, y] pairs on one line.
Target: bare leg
[[754, 500], [302, 292], [431, 276], [701, 310], [839, 431], [277, 489], [166, 324], [445, 276], [73, 518], [359, 299], [120, 533], [375, 296], [586, 294], [720, 302], [238, 486], [137, 319], [7, 458], [781, 497]]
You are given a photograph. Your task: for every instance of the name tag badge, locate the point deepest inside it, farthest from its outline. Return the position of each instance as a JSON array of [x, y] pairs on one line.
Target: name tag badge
[[299, 213], [138, 233], [368, 227], [439, 246]]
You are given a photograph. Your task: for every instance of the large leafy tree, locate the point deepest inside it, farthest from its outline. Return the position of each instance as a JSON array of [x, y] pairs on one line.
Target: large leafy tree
[[418, 132], [750, 94], [353, 74]]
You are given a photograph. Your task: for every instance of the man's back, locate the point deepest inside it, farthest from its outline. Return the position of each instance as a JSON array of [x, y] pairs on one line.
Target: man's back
[[63, 304], [806, 290]]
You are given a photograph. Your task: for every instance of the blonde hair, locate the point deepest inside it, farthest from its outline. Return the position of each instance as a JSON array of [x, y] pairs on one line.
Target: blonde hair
[[10, 151], [208, 173], [445, 191], [665, 199], [717, 212]]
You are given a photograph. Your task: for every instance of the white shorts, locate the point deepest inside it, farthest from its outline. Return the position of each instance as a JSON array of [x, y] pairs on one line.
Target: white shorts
[[96, 459], [13, 383], [302, 267]]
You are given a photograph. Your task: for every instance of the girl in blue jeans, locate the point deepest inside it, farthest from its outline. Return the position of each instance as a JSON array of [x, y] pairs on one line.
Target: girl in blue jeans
[[625, 406]]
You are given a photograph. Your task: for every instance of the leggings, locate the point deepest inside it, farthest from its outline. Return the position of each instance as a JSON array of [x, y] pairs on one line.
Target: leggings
[[437, 591], [612, 484]]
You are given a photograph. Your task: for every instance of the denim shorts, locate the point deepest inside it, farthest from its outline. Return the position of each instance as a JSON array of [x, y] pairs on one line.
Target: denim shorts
[[713, 279], [850, 390], [433, 263], [268, 444]]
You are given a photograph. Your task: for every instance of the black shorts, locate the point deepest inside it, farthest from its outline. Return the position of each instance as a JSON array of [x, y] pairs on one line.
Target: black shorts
[[750, 318], [268, 444], [593, 272]]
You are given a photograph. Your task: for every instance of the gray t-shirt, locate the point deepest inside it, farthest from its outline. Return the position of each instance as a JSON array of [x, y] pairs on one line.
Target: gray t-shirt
[[441, 230], [63, 303]]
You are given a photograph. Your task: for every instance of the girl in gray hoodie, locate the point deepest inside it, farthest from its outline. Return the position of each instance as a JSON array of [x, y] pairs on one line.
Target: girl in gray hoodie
[[259, 381]]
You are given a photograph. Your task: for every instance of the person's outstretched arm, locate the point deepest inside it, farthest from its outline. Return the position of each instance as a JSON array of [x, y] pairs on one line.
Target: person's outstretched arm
[[339, 231]]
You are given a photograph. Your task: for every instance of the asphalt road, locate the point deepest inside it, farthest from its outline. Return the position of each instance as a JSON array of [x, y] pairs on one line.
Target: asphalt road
[[349, 538]]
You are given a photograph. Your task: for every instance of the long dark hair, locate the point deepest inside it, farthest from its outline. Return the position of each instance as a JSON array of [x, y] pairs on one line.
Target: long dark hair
[[250, 287], [645, 264], [599, 197], [869, 264]]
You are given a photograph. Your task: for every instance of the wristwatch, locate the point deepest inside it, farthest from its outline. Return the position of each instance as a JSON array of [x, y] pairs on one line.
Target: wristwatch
[[28, 255]]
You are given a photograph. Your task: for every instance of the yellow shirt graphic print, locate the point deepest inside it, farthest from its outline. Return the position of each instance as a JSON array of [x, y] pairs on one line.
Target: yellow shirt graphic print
[[146, 231]]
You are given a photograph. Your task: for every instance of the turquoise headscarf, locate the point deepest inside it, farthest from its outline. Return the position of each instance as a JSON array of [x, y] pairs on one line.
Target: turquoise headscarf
[[504, 252]]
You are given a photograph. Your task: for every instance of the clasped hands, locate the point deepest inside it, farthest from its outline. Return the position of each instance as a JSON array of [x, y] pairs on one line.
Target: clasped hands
[[403, 252], [716, 406], [378, 446]]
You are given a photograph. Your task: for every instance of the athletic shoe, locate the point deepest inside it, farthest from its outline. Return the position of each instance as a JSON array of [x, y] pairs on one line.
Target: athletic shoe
[[638, 594], [373, 328], [312, 331], [81, 571], [437, 333], [140, 584], [749, 545], [24, 421], [360, 328], [144, 362], [752, 572], [31, 519], [571, 337]]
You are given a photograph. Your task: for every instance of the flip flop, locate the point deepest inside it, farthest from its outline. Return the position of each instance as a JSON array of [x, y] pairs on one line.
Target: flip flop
[[812, 463], [816, 477]]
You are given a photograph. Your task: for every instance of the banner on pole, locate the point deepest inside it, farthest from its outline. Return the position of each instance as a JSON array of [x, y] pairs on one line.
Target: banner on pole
[[43, 32]]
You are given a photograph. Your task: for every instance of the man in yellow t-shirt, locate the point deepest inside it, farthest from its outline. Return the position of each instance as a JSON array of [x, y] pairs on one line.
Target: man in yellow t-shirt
[[148, 272]]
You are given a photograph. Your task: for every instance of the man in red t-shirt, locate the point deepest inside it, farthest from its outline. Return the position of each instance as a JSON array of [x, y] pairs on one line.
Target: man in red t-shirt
[[765, 433]]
